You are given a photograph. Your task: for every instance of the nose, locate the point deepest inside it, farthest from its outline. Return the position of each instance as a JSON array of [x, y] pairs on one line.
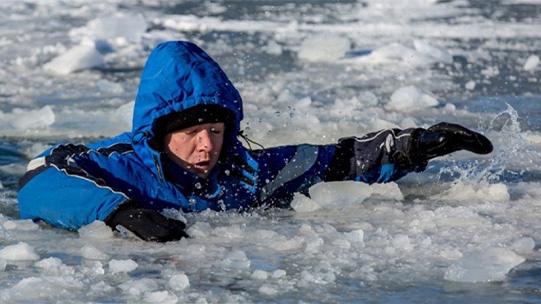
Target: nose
[[204, 141]]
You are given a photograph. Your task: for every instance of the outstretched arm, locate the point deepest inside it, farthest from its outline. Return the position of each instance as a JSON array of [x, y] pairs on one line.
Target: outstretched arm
[[377, 157], [388, 155]]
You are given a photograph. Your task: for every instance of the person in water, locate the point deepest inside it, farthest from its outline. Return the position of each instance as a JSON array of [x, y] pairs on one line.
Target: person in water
[[183, 152]]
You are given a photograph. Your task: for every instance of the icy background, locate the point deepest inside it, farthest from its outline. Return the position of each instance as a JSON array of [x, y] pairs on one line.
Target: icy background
[[467, 230]]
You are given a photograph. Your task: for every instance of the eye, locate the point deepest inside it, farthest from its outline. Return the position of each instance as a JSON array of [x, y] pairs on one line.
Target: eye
[[190, 131], [216, 130]]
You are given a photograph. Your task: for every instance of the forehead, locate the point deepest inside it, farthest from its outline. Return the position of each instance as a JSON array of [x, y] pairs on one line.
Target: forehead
[[208, 125]]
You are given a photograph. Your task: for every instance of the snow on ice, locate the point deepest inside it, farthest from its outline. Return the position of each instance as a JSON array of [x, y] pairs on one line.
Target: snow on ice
[[411, 98], [324, 48], [116, 266], [76, 59], [531, 63], [490, 264], [24, 120], [18, 252]]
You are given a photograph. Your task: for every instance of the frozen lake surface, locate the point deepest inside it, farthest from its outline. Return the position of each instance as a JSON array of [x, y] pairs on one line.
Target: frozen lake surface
[[468, 230]]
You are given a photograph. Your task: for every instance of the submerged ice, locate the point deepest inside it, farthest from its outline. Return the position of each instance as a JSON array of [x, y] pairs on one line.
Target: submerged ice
[[308, 72]]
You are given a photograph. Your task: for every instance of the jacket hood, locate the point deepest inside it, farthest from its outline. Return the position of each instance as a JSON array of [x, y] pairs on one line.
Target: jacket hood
[[177, 76]]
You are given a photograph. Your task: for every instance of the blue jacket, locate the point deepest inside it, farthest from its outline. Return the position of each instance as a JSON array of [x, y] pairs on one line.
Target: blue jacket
[[73, 185]]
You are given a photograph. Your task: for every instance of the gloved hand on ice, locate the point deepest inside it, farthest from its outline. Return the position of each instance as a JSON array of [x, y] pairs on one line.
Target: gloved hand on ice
[[147, 224]]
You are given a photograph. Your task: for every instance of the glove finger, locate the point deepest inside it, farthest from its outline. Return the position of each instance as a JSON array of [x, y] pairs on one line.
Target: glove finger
[[177, 231], [158, 233], [459, 137], [165, 221], [163, 229]]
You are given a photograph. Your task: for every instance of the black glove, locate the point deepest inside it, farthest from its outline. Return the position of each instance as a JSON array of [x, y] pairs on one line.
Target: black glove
[[445, 138], [147, 224]]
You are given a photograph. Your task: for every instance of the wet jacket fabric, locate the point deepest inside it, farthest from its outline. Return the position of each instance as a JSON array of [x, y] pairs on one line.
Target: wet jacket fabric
[[71, 185]]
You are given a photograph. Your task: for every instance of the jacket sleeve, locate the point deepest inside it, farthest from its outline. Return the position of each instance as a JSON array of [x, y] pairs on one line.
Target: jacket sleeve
[[377, 157], [57, 190], [285, 170]]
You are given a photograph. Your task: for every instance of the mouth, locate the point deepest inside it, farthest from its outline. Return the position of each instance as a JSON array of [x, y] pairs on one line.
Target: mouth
[[202, 166]]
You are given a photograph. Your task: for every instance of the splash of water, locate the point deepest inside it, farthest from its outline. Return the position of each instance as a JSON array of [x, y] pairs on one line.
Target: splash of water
[[514, 148], [482, 176]]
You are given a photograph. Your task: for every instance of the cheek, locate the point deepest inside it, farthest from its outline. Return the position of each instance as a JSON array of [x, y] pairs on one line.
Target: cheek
[[178, 146], [218, 144], [178, 141]]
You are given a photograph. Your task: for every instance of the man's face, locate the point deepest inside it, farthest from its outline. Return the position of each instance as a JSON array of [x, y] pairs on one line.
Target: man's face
[[196, 148]]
